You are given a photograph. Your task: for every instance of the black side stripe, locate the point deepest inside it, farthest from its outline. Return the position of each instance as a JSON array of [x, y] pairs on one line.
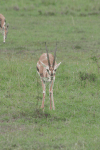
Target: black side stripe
[[37, 68]]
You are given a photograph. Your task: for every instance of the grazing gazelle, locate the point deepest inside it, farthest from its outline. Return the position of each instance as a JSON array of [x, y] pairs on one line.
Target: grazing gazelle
[[46, 68], [3, 28]]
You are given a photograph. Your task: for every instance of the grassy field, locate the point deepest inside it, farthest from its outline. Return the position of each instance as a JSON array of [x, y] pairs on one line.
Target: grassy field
[[75, 123]]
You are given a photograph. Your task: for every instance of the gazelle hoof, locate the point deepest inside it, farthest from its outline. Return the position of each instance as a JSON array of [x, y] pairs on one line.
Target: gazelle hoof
[[53, 108], [42, 107]]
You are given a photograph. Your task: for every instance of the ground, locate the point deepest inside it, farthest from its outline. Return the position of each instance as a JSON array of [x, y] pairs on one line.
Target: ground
[[75, 123]]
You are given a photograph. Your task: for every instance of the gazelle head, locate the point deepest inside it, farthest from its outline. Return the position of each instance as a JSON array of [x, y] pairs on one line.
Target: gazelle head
[[6, 31], [51, 68]]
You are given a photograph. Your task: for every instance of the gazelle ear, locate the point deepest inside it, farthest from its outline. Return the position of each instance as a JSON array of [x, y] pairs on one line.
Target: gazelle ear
[[43, 64], [57, 66]]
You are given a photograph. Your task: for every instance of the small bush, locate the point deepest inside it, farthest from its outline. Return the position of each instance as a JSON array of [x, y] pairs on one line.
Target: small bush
[[16, 8], [86, 76], [83, 14], [48, 2], [50, 13], [77, 47], [93, 13]]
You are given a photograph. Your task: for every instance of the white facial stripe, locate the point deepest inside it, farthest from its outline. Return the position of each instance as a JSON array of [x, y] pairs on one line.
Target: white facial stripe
[[43, 64], [47, 67], [54, 71]]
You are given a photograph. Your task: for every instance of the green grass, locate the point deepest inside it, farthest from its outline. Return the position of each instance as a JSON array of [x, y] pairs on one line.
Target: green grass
[[75, 123]]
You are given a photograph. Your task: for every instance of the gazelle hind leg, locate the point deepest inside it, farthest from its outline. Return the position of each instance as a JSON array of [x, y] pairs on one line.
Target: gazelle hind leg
[[43, 85], [53, 101], [50, 100], [51, 95]]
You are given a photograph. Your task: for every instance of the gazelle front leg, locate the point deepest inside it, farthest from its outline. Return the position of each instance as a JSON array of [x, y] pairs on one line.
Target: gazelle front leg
[[43, 85], [4, 38], [51, 95], [3, 34]]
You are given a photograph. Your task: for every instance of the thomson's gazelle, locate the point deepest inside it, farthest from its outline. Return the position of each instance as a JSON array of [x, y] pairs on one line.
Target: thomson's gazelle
[[46, 68], [3, 28]]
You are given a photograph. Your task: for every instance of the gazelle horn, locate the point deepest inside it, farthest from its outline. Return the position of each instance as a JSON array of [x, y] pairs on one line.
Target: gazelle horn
[[47, 54], [55, 55]]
